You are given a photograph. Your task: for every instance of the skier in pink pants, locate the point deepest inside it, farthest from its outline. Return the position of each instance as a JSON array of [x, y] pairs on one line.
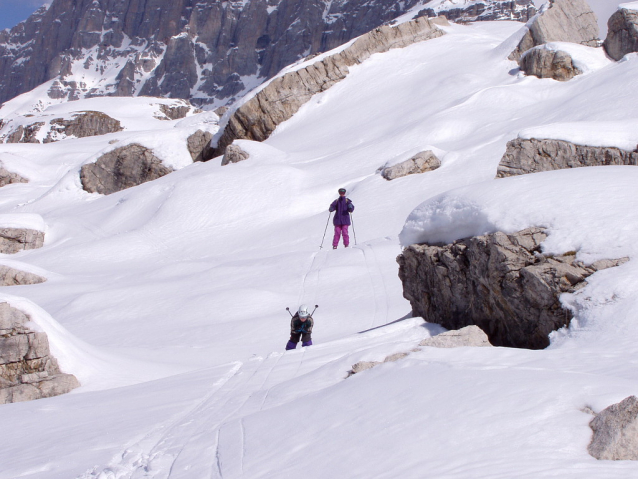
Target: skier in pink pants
[[343, 207]]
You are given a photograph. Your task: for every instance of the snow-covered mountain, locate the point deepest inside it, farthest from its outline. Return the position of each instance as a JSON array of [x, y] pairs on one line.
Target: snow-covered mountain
[[167, 300], [210, 52]]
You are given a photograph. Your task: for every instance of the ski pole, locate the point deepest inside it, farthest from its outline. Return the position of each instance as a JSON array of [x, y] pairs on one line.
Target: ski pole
[[324, 232], [354, 232], [288, 309], [313, 311]]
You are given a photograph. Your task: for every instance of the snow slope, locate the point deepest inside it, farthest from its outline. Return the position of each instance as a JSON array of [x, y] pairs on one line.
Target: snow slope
[[175, 290]]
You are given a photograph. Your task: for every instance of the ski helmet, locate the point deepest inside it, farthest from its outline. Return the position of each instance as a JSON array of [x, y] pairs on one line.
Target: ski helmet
[[303, 311], [342, 191]]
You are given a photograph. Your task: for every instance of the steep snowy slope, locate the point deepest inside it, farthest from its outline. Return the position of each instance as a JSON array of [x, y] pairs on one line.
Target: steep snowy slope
[[177, 289]]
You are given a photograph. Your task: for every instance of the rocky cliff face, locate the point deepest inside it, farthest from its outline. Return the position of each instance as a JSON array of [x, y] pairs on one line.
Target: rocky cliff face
[[500, 283], [203, 50], [27, 368], [520, 10], [282, 97], [534, 155]]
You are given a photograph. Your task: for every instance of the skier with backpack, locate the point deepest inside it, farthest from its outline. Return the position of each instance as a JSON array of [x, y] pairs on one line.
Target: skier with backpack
[[300, 327], [343, 207]]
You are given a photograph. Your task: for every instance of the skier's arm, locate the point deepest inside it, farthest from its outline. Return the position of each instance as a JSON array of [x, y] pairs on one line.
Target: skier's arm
[[350, 206], [333, 206]]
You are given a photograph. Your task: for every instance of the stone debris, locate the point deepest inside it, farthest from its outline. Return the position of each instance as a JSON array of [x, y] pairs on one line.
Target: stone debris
[[122, 168], [564, 21], [419, 163], [27, 369], [616, 432], [500, 282], [531, 156]]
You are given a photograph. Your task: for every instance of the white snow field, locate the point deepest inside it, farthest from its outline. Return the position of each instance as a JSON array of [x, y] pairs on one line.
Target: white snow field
[[167, 300]]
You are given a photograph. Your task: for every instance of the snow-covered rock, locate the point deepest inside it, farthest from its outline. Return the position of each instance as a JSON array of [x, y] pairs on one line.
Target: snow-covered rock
[[234, 154], [622, 31], [27, 369], [469, 336], [13, 240], [464, 11], [500, 283], [545, 63], [616, 432], [524, 156], [14, 277], [559, 21]]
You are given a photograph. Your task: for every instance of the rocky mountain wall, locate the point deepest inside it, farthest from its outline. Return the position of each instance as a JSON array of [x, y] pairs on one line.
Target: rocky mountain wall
[[204, 50]]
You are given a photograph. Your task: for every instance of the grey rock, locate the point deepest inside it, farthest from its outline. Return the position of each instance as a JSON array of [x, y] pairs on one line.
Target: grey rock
[[122, 168], [27, 369], [281, 99], [234, 154], [616, 432], [519, 10], [419, 163], [175, 112], [198, 145], [24, 134], [469, 336], [564, 21], [7, 177], [365, 365], [84, 124], [498, 282], [622, 33], [14, 277], [545, 63], [13, 240], [534, 155]]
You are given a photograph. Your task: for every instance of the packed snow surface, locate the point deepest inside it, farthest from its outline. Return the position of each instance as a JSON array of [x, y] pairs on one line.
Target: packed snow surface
[[168, 300]]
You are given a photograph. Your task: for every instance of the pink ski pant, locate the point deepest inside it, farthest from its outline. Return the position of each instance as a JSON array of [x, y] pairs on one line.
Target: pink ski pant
[[342, 229]]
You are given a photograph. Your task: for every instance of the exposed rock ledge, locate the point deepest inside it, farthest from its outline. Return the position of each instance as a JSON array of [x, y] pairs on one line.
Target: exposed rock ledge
[[14, 277], [27, 369], [498, 282], [122, 168], [281, 98], [534, 155], [13, 240]]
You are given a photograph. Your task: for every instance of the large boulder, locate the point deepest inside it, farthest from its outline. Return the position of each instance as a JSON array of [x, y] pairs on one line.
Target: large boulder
[[544, 62], [122, 168], [198, 145], [616, 432], [234, 154], [419, 163], [27, 368], [498, 282], [622, 33], [524, 156], [564, 21], [14, 277], [13, 240], [282, 97]]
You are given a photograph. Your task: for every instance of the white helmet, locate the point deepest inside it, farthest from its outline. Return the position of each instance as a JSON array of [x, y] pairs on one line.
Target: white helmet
[[303, 311]]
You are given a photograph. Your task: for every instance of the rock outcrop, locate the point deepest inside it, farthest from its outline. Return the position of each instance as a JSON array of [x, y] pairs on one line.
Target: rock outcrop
[[8, 177], [546, 63], [27, 369], [519, 10], [13, 240], [534, 155], [622, 33], [175, 112], [469, 336], [498, 282], [564, 21], [198, 145], [419, 163], [234, 154], [88, 123], [14, 277], [24, 134], [282, 97], [122, 168], [365, 365], [616, 432]]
